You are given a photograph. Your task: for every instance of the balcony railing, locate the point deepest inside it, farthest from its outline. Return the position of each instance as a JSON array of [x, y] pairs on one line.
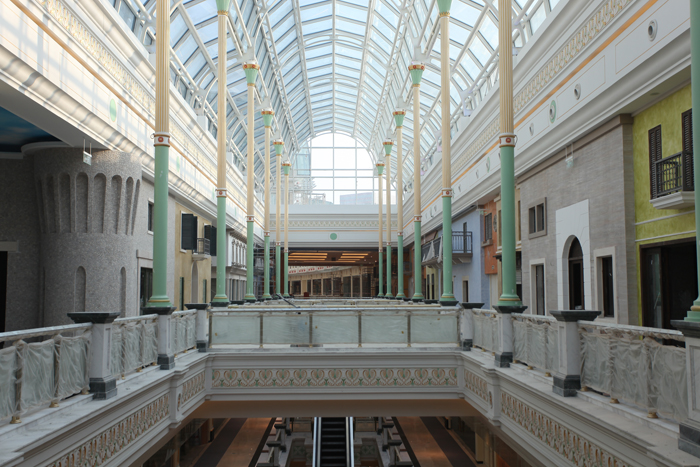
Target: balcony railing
[[462, 243], [674, 173], [432, 251], [202, 247]]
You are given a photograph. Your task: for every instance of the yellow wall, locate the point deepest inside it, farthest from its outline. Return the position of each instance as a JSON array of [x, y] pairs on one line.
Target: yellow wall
[[183, 261], [657, 222]]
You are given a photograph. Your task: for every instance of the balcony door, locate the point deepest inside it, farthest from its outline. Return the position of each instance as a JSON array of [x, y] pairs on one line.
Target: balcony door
[[576, 288]]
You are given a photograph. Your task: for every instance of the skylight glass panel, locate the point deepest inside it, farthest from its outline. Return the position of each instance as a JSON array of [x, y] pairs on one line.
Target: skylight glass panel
[[537, 19], [317, 51], [387, 13], [316, 11], [348, 51], [350, 27], [464, 12], [314, 72], [281, 29], [280, 11], [309, 28], [196, 65], [490, 32], [202, 11], [480, 51], [288, 39], [178, 28], [208, 32], [319, 61], [186, 49]]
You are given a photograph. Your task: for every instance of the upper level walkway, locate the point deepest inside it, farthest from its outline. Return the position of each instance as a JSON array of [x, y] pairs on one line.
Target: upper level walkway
[[344, 357]]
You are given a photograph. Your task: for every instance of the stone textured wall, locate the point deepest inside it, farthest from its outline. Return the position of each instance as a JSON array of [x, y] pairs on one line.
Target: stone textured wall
[[19, 223], [86, 218], [601, 173]]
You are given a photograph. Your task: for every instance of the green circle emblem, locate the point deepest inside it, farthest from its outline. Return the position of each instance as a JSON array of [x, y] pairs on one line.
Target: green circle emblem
[[553, 111], [113, 110], [334, 236]]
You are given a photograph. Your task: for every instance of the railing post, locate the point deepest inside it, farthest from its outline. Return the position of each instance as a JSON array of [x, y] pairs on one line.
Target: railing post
[[567, 379], [166, 353], [102, 384], [504, 352], [689, 430], [201, 325], [467, 325]]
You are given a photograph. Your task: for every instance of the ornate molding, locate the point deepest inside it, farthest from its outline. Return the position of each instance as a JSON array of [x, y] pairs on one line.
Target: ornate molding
[[478, 386], [574, 447], [108, 443], [368, 224], [335, 377], [191, 388]]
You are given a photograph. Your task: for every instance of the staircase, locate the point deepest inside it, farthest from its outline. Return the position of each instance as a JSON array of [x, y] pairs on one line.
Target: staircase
[[333, 443]]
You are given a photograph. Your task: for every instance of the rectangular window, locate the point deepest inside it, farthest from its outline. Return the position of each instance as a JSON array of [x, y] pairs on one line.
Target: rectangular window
[[465, 291], [499, 229], [150, 216], [608, 289], [488, 228], [188, 234], [146, 286], [654, 157], [539, 288], [127, 15], [537, 217]]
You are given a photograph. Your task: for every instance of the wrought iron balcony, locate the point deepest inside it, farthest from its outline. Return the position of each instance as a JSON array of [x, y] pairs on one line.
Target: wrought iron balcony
[[201, 250], [431, 252], [672, 181], [462, 243]]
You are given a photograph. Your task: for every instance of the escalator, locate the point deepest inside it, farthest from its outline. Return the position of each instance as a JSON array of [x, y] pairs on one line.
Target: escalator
[[333, 441]]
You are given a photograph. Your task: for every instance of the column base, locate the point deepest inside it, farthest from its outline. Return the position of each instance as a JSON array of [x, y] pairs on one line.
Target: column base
[[222, 303], [103, 388], [250, 299], [389, 296], [472, 305], [466, 345], [504, 359], [237, 302], [689, 438], [159, 310], [166, 362], [430, 302], [267, 297], [566, 385], [445, 302], [418, 298], [400, 296], [509, 309], [202, 346], [286, 295]]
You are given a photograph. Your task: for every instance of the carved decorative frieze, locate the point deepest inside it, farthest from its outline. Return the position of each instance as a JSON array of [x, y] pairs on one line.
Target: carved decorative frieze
[[576, 448], [191, 388], [478, 386], [108, 443], [334, 377]]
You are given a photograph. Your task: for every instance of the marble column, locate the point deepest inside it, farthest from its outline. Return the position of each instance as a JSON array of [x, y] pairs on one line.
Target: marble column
[[267, 121], [387, 151], [380, 171], [285, 168], [251, 74], [416, 70], [279, 148], [398, 117]]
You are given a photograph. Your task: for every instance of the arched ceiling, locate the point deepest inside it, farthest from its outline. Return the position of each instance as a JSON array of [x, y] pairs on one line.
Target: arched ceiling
[[333, 65]]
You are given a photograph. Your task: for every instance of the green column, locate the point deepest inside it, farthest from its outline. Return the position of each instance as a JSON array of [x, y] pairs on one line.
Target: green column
[[286, 273], [249, 257], [267, 121], [220, 299], [509, 295], [278, 269], [399, 267], [694, 313], [266, 286], [416, 71], [388, 145], [381, 274], [160, 225], [398, 118], [447, 297], [417, 276]]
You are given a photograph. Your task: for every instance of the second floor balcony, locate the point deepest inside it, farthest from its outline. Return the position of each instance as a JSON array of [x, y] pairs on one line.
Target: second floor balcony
[[431, 252], [672, 181]]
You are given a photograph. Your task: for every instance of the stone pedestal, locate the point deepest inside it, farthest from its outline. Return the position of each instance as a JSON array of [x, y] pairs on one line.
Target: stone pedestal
[[466, 331], [689, 430], [504, 355], [166, 353], [201, 325], [567, 380], [102, 384]]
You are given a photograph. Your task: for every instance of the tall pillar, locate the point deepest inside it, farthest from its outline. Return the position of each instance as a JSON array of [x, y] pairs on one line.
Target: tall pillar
[[251, 73], [267, 121], [447, 298], [387, 150], [398, 117], [416, 70], [509, 296], [285, 167], [161, 141], [380, 171], [279, 147], [220, 299]]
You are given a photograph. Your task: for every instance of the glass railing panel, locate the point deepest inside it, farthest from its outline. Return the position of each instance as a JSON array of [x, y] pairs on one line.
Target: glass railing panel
[[286, 328], [335, 328], [384, 328], [235, 328], [434, 328]]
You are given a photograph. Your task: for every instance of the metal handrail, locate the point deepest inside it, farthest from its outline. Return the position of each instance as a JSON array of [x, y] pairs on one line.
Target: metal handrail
[[349, 442], [316, 459]]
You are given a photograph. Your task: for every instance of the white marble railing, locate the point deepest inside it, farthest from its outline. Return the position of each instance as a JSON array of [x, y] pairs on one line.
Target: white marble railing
[[633, 364], [343, 326], [134, 344], [535, 342], [486, 329], [42, 366], [182, 331]]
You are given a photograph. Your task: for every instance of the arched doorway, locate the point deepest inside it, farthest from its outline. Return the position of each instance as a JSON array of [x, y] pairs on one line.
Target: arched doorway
[[576, 288], [194, 294]]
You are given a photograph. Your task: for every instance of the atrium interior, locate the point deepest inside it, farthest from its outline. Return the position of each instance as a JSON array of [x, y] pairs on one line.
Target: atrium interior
[[344, 233]]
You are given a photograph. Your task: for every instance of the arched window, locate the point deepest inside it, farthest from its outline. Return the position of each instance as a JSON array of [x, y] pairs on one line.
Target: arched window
[[576, 288], [334, 168]]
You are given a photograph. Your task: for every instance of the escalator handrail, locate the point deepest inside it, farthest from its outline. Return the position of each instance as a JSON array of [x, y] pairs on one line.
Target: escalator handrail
[[316, 459], [350, 442]]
